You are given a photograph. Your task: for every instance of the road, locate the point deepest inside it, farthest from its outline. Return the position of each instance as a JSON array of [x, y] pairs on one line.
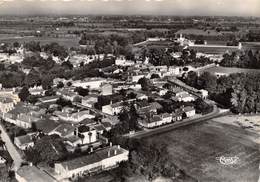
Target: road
[[11, 149], [150, 132]]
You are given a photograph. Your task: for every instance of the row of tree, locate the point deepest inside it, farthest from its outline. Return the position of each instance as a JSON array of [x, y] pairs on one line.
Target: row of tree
[[239, 91], [244, 59]]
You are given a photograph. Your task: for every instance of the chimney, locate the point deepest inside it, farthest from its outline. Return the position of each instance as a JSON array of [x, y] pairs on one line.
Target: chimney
[[91, 149], [108, 153], [115, 152], [118, 147], [110, 144]]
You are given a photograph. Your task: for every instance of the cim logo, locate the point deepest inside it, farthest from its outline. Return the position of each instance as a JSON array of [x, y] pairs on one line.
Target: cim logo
[[228, 160]]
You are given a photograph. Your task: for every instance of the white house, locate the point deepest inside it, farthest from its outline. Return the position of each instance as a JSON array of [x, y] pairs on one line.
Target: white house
[[37, 90], [100, 160], [106, 89], [113, 109], [24, 142], [189, 111], [91, 83], [185, 97], [75, 117], [89, 100], [87, 134], [6, 104]]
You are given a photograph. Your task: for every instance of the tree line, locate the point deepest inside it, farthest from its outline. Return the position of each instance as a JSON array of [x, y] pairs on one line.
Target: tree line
[[239, 91]]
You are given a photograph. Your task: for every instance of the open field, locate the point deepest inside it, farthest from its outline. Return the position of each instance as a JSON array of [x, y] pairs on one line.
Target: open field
[[196, 148], [194, 31], [67, 42], [229, 70], [246, 122]]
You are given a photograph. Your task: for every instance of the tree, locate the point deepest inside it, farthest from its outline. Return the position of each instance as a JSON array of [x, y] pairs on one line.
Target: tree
[[49, 149], [192, 79], [208, 82], [153, 76], [145, 83], [24, 94], [16, 44], [60, 85], [47, 82], [81, 91]]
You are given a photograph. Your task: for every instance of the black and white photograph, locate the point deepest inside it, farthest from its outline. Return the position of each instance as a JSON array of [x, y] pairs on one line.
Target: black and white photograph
[[129, 90]]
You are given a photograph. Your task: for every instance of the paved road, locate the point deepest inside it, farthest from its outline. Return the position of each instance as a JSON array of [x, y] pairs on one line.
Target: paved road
[[11, 149], [149, 132]]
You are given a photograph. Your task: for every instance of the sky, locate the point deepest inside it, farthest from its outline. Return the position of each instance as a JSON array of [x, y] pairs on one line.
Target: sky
[[130, 7]]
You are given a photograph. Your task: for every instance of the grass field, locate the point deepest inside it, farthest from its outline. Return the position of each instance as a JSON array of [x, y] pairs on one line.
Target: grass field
[[195, 149], [229, 70], [67, 42]]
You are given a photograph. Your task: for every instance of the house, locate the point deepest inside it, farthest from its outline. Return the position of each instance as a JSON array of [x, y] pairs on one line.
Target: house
[[46, 125], [99, 128], [74, 117], [151, 122], [113, 109], [6, 104], [37, 90], [68, 94], [204, 93], [106, 89], [87, 134], [64, 130], [8, 99], [166, 118], [121, 61], [24, 142], [141, 96], [107, 125], [31, 174], [73, 141], [189, 111], [144, 107], [91, 83], [89, 100], [185, 97], [49, 99], [25, 120], [104, 159], [2, 160], [177, 115], [162, 92]]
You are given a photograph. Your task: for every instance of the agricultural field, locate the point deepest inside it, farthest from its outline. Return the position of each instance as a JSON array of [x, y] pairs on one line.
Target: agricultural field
[[67, 42], [197, 150], [193, 31], [229, 70]]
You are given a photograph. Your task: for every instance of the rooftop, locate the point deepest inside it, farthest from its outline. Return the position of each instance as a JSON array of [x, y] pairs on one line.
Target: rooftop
[[31, 174], [64, 129], [24, 139], [92, 158]]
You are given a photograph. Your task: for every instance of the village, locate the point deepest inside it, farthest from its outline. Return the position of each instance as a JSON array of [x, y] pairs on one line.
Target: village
[[66, 124]]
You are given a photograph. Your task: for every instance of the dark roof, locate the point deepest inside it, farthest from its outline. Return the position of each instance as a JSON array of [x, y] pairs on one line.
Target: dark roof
[[24, 139], [99, 127], [107, 124], [64, 129], [46, 125], [88, 122], [83, 129]]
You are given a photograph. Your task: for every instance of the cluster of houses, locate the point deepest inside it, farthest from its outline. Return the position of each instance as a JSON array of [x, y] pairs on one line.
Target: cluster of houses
[[82, 126], [155, 120], [8, 99]]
